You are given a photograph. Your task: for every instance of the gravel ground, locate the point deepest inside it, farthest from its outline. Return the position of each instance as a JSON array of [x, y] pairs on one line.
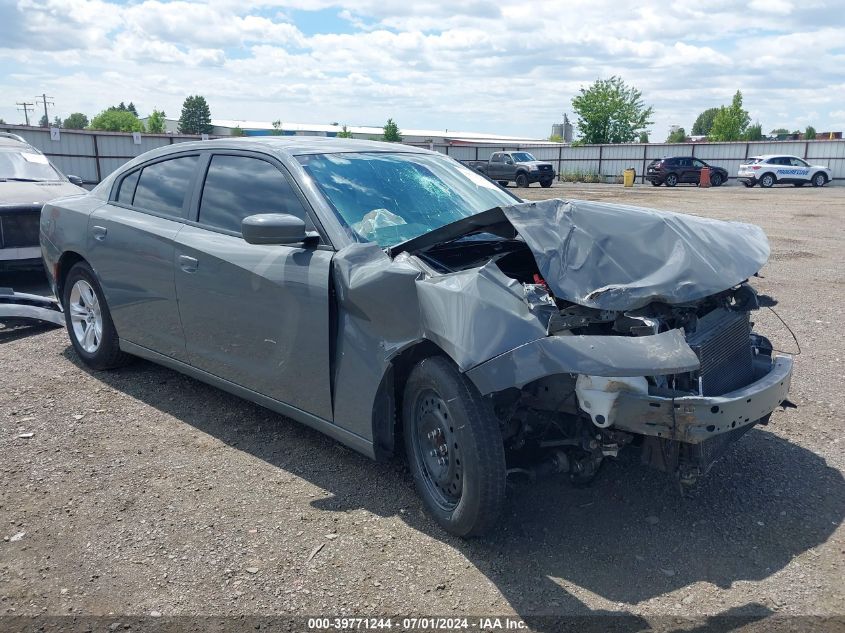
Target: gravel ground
[[142, 491]]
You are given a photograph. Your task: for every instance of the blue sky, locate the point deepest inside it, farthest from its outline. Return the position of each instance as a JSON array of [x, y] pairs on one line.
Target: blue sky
[[503, 67]]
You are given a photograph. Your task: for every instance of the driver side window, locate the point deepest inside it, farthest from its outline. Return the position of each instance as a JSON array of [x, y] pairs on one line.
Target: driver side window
[[239, 186]]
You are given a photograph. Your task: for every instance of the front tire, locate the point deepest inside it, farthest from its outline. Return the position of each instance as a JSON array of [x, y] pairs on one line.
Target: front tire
[[767, 180], [521, 181], [88, 320], [716, 180], [545, 184], [454, 448], [819, 180], [671, 180]]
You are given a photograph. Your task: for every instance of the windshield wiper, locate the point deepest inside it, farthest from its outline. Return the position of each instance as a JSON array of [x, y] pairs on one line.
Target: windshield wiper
[[6, 178]]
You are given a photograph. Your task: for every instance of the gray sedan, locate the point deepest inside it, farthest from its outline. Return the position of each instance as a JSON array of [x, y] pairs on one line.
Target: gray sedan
[[387, 295]]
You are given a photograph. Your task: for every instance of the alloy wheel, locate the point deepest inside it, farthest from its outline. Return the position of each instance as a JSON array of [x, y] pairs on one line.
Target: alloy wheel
[[86, 316]]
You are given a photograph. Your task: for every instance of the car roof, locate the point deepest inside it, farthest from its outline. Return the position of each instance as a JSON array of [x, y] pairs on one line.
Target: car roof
[[299, 145], [768, 156], [13, 141]]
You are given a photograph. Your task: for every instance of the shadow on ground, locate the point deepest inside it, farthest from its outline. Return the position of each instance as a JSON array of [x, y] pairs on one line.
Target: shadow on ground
[[627, 538]]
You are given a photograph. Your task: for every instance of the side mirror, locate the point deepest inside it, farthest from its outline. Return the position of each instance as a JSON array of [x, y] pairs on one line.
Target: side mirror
[[273, 228], [76, 180]]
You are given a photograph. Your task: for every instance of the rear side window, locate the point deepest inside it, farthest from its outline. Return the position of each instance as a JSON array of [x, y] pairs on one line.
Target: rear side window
[[127, 188], [162, 187], [238, 186]]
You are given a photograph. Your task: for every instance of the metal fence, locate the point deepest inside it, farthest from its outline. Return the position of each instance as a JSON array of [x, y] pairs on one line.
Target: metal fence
[[93, 155], [608, 161]]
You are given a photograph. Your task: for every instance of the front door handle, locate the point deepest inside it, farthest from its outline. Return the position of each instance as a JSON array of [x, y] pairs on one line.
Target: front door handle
[[99, 232], [188, 264]]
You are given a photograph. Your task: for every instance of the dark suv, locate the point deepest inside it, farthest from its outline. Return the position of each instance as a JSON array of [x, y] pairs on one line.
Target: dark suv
[[678, 169]]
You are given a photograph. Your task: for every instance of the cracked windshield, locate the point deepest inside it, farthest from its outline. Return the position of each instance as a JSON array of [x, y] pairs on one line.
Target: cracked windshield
[[392, 198]]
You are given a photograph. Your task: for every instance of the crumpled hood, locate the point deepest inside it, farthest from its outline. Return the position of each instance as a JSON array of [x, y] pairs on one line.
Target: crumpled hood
[[619, 257], [13, 192]]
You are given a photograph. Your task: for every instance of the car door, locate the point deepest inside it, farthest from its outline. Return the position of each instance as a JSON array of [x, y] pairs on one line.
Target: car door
[[695, 171], [800, 170], [255, 315], [130, 246], [685, 170], [495, 170]]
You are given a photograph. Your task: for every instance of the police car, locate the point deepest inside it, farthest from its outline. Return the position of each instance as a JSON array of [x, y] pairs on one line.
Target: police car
[[773, 169]]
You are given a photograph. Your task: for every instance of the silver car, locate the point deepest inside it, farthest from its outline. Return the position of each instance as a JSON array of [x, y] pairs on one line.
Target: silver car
[[387, 295]]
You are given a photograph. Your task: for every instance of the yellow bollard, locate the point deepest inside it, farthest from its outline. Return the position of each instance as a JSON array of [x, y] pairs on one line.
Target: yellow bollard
[[628, 177]]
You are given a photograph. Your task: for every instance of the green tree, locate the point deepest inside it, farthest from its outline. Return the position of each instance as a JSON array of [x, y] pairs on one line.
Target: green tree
[[704, 122], [556, 138], [131, 108], [391, 132], [754, 133], [237, 131], [810, 133], [76, 121], [677, 136], [344, 133], [57, 122], [778, 131], [610, 111], [196, 116], [115, 120], [731, 121], [277, 128], [156, 123], [643, 137], [43, 121]]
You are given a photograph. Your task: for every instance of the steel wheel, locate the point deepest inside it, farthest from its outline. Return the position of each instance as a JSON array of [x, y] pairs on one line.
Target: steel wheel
[[437, 448], [86, 316]]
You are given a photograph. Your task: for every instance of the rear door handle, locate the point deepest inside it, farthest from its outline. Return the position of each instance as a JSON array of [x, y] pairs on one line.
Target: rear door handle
[[188, 264], [99, 232]]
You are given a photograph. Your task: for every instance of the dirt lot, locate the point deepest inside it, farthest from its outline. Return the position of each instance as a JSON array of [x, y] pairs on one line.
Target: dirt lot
[[145, 491]]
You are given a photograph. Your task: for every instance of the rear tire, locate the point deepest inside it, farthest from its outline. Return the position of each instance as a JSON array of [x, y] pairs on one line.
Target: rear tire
[[716, 180], [819, 180], [748, 184], [88, 320], [655, 183], [545, 184], [522, 181], [767, 180], [454, 448], [671, 180]]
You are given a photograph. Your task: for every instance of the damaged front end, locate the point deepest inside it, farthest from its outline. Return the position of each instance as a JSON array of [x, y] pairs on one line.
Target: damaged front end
[[648, 333]]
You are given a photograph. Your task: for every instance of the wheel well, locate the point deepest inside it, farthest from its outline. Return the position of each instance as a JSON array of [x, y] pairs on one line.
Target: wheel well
[[822, 173], [65, 263], [387, 421], [769, 173]]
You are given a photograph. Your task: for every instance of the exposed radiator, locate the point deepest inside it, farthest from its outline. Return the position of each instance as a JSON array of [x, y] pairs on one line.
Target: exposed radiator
[[723, 345]]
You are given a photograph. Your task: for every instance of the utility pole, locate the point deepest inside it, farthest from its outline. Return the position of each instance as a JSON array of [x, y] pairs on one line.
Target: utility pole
[[25, 108], [45, 101]]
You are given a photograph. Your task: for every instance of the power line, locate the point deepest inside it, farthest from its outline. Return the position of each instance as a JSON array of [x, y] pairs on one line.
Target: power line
[[45, 101], [26, 108]]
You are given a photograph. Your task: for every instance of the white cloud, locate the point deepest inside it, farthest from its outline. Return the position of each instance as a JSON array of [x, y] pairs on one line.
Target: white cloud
[[470, 65]]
